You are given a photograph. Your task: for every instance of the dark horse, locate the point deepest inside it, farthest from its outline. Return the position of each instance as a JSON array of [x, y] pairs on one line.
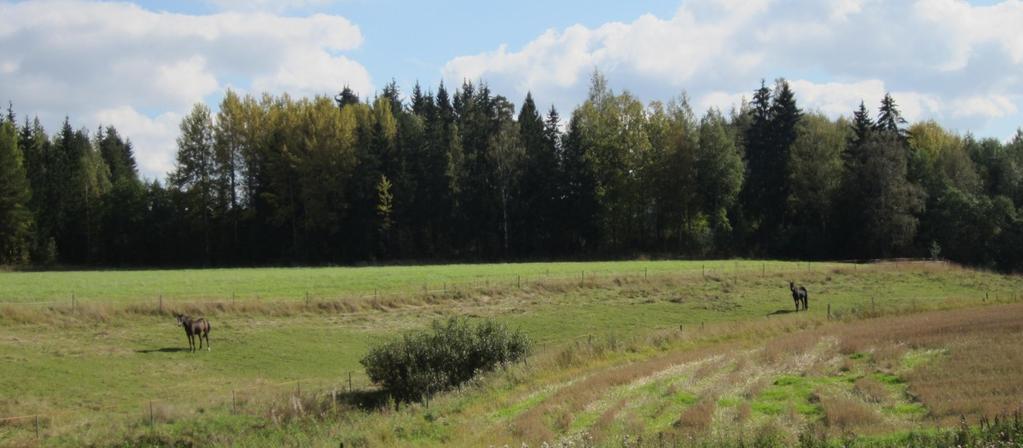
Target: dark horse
[[195, 327], [799, 295]]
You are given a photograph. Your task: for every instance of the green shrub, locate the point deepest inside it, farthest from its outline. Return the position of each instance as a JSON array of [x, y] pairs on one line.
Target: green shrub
[[446, 355]]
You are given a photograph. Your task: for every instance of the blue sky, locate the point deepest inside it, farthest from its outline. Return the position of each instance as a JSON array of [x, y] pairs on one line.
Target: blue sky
[[141, 65]]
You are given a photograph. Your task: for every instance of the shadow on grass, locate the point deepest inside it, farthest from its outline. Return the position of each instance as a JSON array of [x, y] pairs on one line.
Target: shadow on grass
[[369, 399], [162, 350], [775, 313]]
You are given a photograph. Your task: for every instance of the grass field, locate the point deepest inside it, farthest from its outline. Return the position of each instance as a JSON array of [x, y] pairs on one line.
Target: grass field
[[697, 350], [295, 283]]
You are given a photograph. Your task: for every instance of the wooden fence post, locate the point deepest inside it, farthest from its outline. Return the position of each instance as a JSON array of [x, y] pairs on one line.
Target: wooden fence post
[[37, 427], [152, 418], [349, 381], [829, 311]]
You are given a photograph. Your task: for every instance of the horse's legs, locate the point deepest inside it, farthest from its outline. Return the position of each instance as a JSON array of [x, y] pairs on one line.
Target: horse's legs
[[207, 336], [191, 342], [199, 337]]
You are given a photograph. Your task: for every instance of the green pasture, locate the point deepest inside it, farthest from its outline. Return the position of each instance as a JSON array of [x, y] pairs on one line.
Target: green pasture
[[91, 371], [332, 282]]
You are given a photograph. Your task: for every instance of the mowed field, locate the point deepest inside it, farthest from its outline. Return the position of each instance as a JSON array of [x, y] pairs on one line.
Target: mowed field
[[686, 351]]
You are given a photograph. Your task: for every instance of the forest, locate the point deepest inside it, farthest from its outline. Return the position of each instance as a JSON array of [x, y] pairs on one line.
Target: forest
[[467, 176]]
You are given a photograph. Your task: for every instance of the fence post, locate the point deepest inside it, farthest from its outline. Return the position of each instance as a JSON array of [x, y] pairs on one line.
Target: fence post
[[349, 381], [37, 427], [152, 419], [518, 281], [644, 273], [161, 303], [72, 301], [829, 311], [234, 402]]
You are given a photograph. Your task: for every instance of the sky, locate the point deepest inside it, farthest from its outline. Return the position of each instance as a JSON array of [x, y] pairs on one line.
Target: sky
[[140, 66]]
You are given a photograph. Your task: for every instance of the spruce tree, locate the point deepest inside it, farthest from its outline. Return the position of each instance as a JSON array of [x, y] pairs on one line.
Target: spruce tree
[[15, 216], [346, 97], [889, 119], [195, 173], [535, 205]]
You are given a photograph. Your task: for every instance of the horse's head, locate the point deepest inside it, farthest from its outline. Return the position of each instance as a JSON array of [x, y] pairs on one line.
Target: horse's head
[[181, 318], [792, 285]]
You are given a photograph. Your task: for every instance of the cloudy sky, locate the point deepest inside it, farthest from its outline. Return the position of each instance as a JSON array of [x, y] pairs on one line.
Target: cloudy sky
[[141, 65]]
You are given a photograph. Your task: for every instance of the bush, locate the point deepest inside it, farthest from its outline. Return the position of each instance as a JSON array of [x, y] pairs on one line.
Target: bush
[[445, 356]]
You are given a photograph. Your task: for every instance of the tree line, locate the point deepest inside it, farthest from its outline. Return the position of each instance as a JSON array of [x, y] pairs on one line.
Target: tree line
[[465, 176]]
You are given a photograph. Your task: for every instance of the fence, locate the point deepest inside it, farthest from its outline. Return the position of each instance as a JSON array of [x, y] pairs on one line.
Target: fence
[[594, 277]]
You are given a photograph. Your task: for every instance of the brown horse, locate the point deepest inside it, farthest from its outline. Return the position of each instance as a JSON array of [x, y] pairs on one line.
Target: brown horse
[[800, 296], [195, 327]]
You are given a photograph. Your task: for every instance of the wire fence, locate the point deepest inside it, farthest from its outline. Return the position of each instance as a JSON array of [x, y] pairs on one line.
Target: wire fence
[[483, 283]]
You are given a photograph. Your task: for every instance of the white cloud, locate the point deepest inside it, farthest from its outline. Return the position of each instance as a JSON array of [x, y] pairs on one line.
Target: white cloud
[[974, 26], [836, 98], [984, 106], [99, 60], [268, 5], [944, 59], [152, 138]]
